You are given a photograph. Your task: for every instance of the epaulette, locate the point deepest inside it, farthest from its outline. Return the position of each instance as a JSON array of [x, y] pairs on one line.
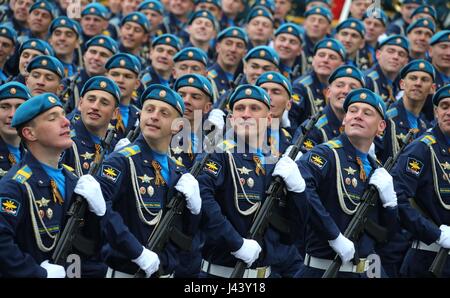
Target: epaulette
[[428, 140], [212, 73], [334, 144], [227, 145], [73, 133], [23, 174], [323, 120], [373, 74], [391, 113], [146, 78], [286, 133], [68, 168], [130, 151], [308, 80]]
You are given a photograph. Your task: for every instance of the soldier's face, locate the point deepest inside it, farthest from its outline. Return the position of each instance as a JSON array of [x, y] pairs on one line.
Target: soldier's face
[[93, 25], [440, 54], [128, 6], [202, 29], [132, 35], [442, 113], [230, 51], [39, 20], [232, 7], [97, 109], [181, 7], [42, 80], [279, 98], [64, 41], [250, 119], [126, 80], [153, 17], [337, 92], [419, 40], [260, 30], [158, 120], [358, 7], [254, 67], [363, 122], [325, 61], [216, 11], [282, 7], [287, 46], [162, 57], [417, 86], [374, 28], [406, 11], [392, 58], [25, 57], [351, 40], [194, 100], [187, 67], [316, 26], [7, 109], [6, 49], [20, 9], [95, 59]]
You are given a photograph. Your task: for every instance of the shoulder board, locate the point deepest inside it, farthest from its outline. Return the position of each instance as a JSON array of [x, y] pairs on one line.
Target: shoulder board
[[323, 120], [286, 133], [146, 78], [391, 113], [428, 140], [212, 73], [68, 168], [306, 80], [23, 174], [73, 133], [334, 144], [373, 75], [227, 145], [130, 151]]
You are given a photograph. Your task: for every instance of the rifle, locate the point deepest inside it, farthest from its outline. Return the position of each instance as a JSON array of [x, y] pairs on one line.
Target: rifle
[[358, 222], [69, 87], [275, 190], [133, 133], [70, 235]]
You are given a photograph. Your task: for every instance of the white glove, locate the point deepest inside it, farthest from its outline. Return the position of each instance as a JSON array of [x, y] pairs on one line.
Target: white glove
[[148, 261], [343, 247], [188, 185], [248, 252], [444, 239], [90, 189], [383, 181], [287, 169], [121, 144], [288, 150], [372, 151], [285, 122], [53, 270], [216, 117]]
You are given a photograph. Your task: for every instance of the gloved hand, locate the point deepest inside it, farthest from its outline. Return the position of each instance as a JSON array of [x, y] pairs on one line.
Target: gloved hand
[[248, 252], [372, 151], [216, 117], [53, 270], [287, 169], [121, 144], [288, 150], [382, 180], [343, 247], [285, 122], [148, 261], [444, 239], [188, 185], [90, 189]]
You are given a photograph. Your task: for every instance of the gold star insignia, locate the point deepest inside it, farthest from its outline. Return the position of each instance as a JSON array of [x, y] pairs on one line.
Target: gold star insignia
[[110, 172], [414, 165], [446, 165], [177, 150], [87, 155], [42, 202], [308, 144], [244, 171], [317, 160], [212, 166], [350, 170], [145, 178]]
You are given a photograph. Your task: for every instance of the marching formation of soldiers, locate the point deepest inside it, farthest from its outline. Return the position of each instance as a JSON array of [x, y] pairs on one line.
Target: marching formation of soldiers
[[172, 123]]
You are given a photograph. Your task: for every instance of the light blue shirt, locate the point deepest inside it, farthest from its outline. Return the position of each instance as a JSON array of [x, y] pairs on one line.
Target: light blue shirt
[[58, 176], [15, 151]]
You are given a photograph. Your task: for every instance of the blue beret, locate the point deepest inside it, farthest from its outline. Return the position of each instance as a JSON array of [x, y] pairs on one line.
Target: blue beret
[[165, 94], [101, 83], [96, 9], [420, 2], [46, 62], [45, 5], [249, 91], [38, 45], [418, 65], [332, 44], [233, 31], [124, 60], [259, 11], [138, 18], [103, 41], [197, 81], [320, 10], [269, 4], [265, 53], [204, 14], [421, 23], [366, 96], [441, 36], [274, 77], [33, 107], [67, 23], [217, 3], [167, 39], [352, 23], [378, 14], [151, 5], [14, 90], [395, 40], [443, 92], [428, 9], [290, 28], [348, 71], [327, 2], [8, 32], [191, 53]]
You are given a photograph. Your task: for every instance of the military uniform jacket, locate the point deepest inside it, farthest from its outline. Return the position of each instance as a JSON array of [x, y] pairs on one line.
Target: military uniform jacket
[[379, 83], [133, 115], [422, 173], [218, 75], [6, 158], [126, 227], [331, 203], [149, 77], [20, 253]]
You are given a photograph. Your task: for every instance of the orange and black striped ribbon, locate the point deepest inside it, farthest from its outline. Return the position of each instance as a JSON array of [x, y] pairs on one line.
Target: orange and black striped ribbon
[[159, 178], [57, 198]]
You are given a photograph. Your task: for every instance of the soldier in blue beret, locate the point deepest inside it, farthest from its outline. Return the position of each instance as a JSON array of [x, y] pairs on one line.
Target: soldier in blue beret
[[12, 95], [231, 10], [344, 79], [94, 21], [375, 22], [202, 28], [419, 34], [282, 9], [392, 55], [18, 19], [424, 11], [308, 97], [321, 3], [65, 37], [178, 15], [231, 47], [439, 53], [190, 60], [338, 171], [259, 60], [289, 45], [399, 25], [27, 51], [154, 11], [40, 187], [421, 180], [164, 48], [136, 181], [45, 74], [269, 4], [358, 7], [213, 6], [317, 26], [134, 33], [233, 185], [259, 26], [41, 14], [8, 38]]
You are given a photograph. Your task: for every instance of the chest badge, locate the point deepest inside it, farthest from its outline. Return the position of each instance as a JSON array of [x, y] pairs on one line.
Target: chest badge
[[145, 179], [350, 170], [244, 171], [87, 155], [42, 202]]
